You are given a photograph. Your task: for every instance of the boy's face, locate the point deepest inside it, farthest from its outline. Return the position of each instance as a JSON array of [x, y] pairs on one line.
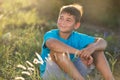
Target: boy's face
[[66, 22]]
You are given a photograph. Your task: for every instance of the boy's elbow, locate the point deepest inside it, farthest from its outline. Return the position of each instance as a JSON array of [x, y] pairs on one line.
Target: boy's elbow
[[104, 42], [50, 43]]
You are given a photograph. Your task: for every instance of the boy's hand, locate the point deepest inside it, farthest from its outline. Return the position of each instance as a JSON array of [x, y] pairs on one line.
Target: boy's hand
[[86, 52], [87, 61]]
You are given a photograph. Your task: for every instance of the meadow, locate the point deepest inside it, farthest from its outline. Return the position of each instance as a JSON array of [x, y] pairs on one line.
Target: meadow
[[21, 35]]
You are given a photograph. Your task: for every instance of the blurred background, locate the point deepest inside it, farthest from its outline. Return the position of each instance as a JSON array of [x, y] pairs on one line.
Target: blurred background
[[24, 22]]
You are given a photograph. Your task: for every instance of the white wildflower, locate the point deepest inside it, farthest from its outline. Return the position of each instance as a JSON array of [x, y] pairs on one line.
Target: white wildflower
[[41, 28], [48, 55], [7, 36], [36, 61], [46, 59], [17, 53], [39, 57], [30, 63], [68, 55], [49, 58], [26, 72], [21, 66], [31, 69], [19, 78]]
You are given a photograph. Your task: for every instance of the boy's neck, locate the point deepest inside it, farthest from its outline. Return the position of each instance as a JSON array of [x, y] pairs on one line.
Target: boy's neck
[[64, 35]]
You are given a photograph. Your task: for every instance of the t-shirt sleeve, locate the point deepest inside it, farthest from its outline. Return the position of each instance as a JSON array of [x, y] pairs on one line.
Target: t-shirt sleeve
[[47, 36], [85, 40]]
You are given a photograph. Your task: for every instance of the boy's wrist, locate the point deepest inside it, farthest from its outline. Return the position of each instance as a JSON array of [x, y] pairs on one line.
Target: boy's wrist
[[93, 46], [76, 53]]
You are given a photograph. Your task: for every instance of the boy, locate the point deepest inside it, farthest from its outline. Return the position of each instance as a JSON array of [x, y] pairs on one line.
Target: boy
[[72, 53]]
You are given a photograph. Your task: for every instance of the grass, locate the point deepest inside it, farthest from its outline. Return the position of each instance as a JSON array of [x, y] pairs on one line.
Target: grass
[[19, 45], [21, 35], [18, 48]]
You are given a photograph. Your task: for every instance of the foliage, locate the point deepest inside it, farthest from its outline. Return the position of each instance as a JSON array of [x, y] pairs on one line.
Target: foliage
[[112, 61], [17, 49], [22, 26], [18, 13]]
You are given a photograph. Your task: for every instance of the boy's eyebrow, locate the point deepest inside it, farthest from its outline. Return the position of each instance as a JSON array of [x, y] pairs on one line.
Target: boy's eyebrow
[[69, 18], [62, 16]]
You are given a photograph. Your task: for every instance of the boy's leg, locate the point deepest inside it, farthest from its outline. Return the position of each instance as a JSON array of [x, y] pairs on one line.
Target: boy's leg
[[53, 72], [102, 65], [66, 65]]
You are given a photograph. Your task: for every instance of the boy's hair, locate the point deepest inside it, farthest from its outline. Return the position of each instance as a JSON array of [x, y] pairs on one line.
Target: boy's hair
[[73, 9]]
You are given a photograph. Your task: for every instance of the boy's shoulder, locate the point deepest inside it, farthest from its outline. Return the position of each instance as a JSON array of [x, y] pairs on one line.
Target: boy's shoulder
[[79, 34], [82, 35], [52, 31]]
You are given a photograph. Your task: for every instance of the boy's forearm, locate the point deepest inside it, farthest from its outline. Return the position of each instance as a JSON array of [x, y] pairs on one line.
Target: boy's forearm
[[59, 47], [100, 44]]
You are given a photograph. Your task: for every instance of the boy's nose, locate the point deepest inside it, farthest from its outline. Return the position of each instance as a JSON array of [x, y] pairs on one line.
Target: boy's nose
[[62, 23]]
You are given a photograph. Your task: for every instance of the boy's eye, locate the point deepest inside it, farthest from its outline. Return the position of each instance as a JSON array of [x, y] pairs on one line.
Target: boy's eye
[[68, 20]]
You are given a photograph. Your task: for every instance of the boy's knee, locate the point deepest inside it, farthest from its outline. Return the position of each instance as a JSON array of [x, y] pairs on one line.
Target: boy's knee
[[98, 52], [60, 57]]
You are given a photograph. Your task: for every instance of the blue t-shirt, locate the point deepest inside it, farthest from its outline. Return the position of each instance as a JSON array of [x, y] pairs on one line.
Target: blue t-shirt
[[75, 40]]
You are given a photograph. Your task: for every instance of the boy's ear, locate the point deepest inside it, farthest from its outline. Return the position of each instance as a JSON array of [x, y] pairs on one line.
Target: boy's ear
[[77, 25]]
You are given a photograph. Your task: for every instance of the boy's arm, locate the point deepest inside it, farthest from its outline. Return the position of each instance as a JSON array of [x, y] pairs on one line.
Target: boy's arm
[[99, 44], [59, 47]]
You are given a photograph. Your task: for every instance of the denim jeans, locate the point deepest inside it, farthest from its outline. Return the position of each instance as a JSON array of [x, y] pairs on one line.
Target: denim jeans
[[53, 72]]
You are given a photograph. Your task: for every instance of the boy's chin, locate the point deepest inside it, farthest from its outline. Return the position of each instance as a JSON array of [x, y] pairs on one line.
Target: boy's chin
[[65, 31]]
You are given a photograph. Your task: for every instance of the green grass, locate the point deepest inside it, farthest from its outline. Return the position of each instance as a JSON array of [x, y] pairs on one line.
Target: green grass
[[17, 49], [19, 45], [21, 35]]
